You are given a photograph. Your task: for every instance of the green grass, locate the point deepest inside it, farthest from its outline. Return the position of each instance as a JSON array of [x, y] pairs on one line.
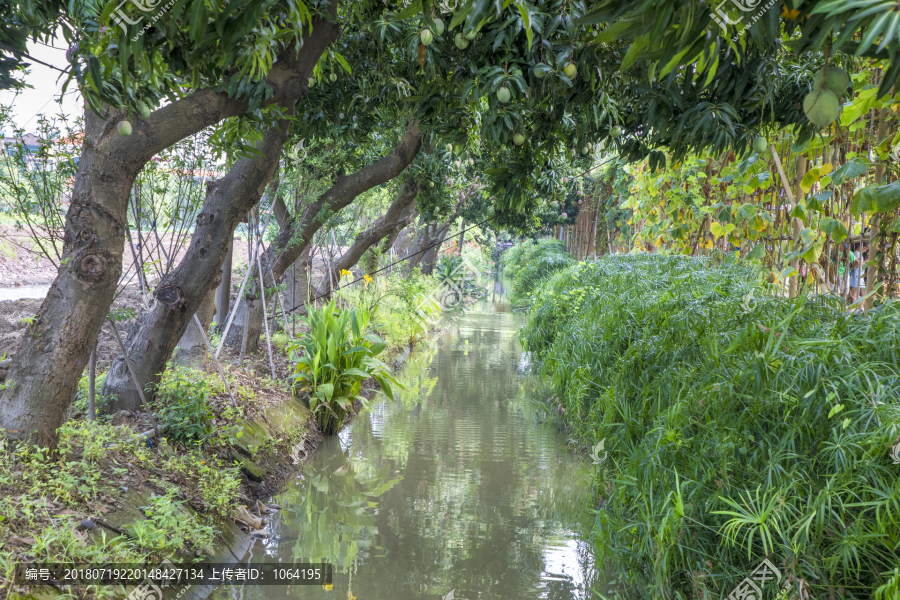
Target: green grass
[[739, 425], [529, 263]]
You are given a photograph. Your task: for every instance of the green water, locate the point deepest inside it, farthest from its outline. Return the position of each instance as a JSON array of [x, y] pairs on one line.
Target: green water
[[454, 485]]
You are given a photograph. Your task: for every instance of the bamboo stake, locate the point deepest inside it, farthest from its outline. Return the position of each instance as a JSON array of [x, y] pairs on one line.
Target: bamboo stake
[[92, 384], [244, 283], [801, 166], [244, 338], [133, 374], [262, 294], [215, 360], [293, 293]]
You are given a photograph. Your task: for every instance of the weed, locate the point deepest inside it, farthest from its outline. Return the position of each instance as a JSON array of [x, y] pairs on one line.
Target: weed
[[181, 398]]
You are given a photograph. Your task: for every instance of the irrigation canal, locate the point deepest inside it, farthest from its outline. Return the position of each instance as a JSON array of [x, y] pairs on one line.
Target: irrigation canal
[[455, 485]]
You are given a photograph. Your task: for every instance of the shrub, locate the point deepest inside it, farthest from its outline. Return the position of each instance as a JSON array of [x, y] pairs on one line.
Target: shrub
[[739, 425], [333, 358], [182, 403]]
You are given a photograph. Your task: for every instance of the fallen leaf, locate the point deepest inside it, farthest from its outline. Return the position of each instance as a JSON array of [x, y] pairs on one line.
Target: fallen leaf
[[22, 541]]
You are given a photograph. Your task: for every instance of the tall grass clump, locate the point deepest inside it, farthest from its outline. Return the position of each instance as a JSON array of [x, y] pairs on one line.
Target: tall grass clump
[[529, 263], [333, 359], [737, 426]]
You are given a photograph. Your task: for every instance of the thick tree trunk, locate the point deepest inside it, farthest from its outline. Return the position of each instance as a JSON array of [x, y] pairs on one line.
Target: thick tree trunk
[[191, 350], [223, 292], [404, 241], [182, 292], [54, 351], [399, 214], [431, 256], [416, 248], [391, 239], [293, 240]]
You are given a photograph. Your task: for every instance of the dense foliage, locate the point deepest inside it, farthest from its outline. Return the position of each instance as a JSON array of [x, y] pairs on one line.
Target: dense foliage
[[528, 264], [739, 425], [337, 355]]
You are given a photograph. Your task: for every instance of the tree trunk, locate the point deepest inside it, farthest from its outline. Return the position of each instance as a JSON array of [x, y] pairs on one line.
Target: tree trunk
[[223, 292], [182, 292], [431, 256], [191, 350], [874, 267], [54, 351], [294, 239], [399, 214], [403, 243], [416, 251]]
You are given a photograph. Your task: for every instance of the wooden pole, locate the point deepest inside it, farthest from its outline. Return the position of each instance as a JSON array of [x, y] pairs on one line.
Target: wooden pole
[[133, 375], [92, 384], [262, 294], [240, 295], [215, 360]]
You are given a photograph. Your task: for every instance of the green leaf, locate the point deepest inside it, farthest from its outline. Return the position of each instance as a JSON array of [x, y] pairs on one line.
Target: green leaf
[[357, 373], [611, 33], [634, 51], [812, 252], [834, 228], [876, 198], [758, 252], [411, 10], [851, 170], [327, 389]]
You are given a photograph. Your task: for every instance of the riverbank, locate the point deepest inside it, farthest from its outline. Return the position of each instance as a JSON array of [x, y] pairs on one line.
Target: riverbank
[[112, 496], [729, 425]]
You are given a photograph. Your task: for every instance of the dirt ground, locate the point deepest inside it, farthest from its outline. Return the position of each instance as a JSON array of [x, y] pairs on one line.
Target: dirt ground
[[22, 264], [14, 315]]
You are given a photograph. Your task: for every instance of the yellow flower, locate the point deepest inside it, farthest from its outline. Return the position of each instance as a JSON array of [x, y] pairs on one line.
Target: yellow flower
[[367, 280], [789, 14], [329, 586], [344, 273]]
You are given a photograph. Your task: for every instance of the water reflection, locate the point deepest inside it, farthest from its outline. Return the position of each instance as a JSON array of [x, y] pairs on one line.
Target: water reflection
[[452, 486]]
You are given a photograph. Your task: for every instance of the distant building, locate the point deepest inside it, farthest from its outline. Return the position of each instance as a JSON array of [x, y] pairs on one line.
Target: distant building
[[30, 142]]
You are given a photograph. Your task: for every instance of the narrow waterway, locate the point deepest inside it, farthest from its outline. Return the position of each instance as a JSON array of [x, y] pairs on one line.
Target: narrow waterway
[[24, 291], [454, 485]]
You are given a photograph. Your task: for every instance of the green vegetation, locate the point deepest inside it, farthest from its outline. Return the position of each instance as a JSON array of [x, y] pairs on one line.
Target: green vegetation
[[530, 263], [337, 355], [182, 404], [739, 425], [44, 496]]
